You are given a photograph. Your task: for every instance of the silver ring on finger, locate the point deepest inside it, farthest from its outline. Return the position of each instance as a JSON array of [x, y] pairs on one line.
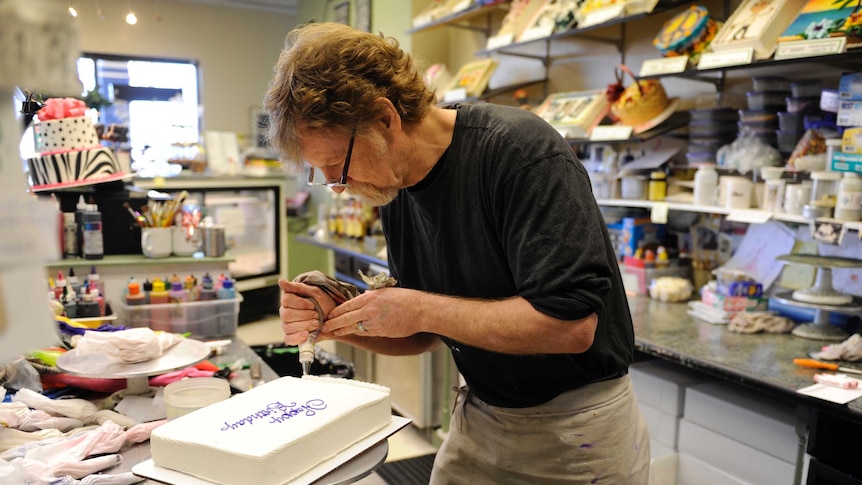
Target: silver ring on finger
[[361, 327]]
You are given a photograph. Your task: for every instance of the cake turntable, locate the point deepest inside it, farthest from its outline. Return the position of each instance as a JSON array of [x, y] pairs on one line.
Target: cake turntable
[[822, 297], [187, 352]]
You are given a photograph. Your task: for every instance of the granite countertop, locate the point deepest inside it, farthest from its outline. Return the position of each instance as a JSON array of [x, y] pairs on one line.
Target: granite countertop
[[760, 361]]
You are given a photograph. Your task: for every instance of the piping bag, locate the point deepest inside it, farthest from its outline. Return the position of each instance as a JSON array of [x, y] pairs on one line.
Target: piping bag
[[339, 292]]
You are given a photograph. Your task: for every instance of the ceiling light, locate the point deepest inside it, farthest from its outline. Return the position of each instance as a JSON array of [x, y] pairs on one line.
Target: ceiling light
[[131, 18], [72, 11]]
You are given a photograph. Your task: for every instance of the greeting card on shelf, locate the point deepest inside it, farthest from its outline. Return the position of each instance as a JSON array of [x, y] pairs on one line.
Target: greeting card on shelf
[[599, 11], [520, 13], [757, 24], [473, 77], [437, 9], [826, 19], [542, 23], [574, 114]]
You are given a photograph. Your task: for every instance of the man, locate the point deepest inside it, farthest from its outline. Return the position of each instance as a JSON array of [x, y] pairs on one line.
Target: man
[[499, 250]]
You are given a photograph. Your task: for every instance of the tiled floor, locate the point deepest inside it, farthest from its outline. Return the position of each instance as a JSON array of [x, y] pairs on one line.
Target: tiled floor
[[407, 443]]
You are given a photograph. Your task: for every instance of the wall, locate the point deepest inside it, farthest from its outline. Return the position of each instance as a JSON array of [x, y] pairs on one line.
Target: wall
[[236, 48]]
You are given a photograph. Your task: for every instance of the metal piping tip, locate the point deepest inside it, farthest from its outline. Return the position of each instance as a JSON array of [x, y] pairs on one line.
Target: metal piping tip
[[306, 368]]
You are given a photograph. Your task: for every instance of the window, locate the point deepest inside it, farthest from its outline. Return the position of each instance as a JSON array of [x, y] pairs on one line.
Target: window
[[158, 99]]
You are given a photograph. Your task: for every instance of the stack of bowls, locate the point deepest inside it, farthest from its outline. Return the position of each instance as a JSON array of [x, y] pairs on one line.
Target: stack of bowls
[[764, 102], [709, 130]]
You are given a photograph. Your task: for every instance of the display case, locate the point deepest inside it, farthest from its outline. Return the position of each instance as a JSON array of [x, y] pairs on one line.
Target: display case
[[253, 213]]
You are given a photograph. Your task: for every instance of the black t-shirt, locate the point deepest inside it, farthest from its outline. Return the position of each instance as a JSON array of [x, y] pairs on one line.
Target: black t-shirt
[[508, 211]]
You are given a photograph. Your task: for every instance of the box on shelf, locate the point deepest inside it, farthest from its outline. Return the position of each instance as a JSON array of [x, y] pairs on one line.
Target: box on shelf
[[846, 162], [850, 87], [637, 280], [201, 319], [732, 304], [636, 231]]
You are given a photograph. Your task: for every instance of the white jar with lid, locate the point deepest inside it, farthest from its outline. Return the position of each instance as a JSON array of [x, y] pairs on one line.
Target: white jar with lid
[[825, 188], [773, 188], [705, 184], [848, 206]]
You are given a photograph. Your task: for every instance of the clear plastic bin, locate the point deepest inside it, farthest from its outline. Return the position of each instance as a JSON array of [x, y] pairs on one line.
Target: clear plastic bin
[[201, 319]]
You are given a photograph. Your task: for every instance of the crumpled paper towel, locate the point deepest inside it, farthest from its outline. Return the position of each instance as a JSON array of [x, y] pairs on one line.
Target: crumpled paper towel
[[850, 350], [129, 346]]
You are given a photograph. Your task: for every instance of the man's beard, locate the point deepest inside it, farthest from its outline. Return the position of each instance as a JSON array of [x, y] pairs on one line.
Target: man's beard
[[371, 194]]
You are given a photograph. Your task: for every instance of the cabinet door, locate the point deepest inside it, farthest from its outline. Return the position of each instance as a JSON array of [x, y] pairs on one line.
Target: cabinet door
[[834, 442]]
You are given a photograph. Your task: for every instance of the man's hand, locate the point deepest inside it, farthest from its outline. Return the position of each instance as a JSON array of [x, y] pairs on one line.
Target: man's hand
[[298, 315], [385, 312]]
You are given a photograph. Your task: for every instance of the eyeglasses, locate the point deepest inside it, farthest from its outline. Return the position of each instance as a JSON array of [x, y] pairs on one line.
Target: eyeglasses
[[342, 182]]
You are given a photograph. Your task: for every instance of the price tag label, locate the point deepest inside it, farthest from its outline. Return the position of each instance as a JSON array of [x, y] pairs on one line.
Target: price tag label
[[498, 41], [462, 5], [603, 15], [712, 60], [611, 133], [809, 48], [421, 20], [455, 95], [664, 65], [751, 216], [658, 214]]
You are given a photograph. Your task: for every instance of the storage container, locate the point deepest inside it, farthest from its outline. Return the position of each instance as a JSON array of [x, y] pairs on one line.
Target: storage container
[[802, 105], [201, 319], [757, 127], [810, 88], [774, 100], [787, 140], [711, 128], [770, 83], [714, 114], [187, 395], [756, 116], [791, 121]]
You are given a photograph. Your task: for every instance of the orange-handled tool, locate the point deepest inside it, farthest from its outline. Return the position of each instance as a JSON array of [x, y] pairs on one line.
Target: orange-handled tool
[[824, 365]]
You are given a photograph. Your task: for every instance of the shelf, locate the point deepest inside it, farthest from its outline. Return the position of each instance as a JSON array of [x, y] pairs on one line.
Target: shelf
[[662, 6], [462, 16], [852, 59], [135, 260], [491, 93], [675, 122], [705, 209]]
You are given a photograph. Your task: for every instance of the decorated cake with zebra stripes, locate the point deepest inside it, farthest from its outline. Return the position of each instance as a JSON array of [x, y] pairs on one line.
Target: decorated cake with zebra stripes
[[68, 147]]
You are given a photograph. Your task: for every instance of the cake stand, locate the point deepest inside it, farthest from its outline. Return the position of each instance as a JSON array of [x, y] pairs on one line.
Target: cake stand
[[822, 297], [187, 352]]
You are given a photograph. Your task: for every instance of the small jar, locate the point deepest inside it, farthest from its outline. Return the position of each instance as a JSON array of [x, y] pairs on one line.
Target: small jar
[[773, 188], [705, 185], [848, 205], [824, 192], [657, 189], [633, 187]]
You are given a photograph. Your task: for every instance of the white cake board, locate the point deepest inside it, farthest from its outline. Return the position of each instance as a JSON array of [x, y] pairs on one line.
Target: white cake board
[[148, 469]]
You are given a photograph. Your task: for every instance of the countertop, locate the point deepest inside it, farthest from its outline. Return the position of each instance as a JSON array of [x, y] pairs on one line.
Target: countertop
[[760, 361]]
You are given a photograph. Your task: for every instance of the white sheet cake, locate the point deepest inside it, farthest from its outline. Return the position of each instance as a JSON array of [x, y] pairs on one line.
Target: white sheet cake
[[272, 433]]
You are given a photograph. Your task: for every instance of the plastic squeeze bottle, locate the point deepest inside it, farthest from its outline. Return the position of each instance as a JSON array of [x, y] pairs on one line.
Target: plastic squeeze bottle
[[227, 317], [178, 296], [208, 313], [160, 312]]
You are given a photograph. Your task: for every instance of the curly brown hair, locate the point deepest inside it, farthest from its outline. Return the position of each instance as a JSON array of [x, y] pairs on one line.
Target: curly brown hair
[[328, 77]]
